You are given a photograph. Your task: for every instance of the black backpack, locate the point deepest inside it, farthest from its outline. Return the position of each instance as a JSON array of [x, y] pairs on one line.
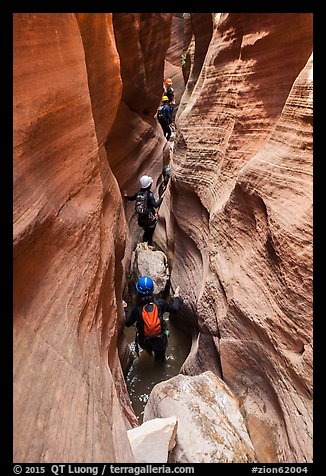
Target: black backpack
[[169, 93], [141, 205], [162, 116]]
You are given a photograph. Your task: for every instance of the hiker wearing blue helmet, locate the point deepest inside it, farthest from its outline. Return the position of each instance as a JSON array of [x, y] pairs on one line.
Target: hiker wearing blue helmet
[[151, 328]]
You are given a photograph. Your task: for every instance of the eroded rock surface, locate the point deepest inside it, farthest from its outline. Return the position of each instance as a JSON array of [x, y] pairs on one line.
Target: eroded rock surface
[[70, 398], [174, 58], [236, 220], [210, 428], [243, 173]]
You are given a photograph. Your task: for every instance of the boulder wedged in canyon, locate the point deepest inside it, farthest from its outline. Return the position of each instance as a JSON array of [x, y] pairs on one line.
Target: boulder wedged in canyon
[[210, 428], [243, 173], [153, 263]]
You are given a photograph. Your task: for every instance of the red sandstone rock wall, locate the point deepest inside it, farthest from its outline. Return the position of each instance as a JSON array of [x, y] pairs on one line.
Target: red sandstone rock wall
[[242, 207], [198, 34], [239, 233], [69, 235], [173, 61]]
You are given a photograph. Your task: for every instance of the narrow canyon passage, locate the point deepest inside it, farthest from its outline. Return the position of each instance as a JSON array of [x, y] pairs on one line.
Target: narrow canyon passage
[[235, 225]]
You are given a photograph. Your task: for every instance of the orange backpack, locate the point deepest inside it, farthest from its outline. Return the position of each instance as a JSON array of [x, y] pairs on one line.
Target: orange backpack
[[151, 320]]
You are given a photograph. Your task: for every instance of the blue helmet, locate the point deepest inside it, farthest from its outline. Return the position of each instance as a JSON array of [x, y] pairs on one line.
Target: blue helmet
[[145, 285]]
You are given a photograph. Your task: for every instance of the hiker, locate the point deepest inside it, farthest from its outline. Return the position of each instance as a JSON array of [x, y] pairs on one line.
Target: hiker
[[145, 208], [169, 92], [164, 117], [151, 328]]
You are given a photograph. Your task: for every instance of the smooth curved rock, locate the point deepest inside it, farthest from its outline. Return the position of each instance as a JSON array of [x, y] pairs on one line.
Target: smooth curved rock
[[242, 170], [211, 428], [83, 125], [237, 220]]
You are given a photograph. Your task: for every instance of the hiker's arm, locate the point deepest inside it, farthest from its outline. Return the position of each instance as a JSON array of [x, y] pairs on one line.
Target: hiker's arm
[[131, 197], [176, 301], [167, 307], [155, 203], [130, 320]]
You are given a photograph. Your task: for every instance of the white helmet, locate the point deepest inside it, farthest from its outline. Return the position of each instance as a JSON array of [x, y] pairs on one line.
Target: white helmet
[[145, 181]]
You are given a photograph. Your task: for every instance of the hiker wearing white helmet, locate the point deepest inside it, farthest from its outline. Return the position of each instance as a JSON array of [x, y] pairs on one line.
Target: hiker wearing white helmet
[[145, 208], [145, 181]]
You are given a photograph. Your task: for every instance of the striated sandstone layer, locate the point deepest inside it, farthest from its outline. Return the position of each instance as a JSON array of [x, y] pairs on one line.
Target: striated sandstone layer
[[198, 34], [69, 235], [241, 201], [236, 222], [86, 88]]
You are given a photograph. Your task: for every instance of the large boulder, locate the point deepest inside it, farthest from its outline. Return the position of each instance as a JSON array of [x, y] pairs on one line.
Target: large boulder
[[211, 428], [146, 262]]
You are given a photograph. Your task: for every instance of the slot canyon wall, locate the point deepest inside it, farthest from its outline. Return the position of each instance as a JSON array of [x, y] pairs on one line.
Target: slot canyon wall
[[70, 90], [243, 173], [236, 222]]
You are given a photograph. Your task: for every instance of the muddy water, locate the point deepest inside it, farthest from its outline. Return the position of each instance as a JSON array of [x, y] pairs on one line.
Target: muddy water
[[146, 372]]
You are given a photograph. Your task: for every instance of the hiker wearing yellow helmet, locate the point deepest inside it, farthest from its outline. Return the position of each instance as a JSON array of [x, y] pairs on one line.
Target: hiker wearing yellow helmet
[[164, 117]]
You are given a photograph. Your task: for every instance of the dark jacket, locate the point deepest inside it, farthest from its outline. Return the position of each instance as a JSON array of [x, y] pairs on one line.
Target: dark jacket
[[169, 92], [167, 111], [162, 305], [150, 220]]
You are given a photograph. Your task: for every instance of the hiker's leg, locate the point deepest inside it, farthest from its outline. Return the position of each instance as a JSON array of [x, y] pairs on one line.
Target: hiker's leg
[[162, 128], [147, 346], [160, 346], [167, 132], [148, 235], [159, 355]]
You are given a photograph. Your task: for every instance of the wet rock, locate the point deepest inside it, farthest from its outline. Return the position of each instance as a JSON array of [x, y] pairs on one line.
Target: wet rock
[[211, 428], [152, 441], [147, 262]]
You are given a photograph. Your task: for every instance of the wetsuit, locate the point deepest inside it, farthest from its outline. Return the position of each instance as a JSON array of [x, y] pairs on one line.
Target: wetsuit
[[157, 345]]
